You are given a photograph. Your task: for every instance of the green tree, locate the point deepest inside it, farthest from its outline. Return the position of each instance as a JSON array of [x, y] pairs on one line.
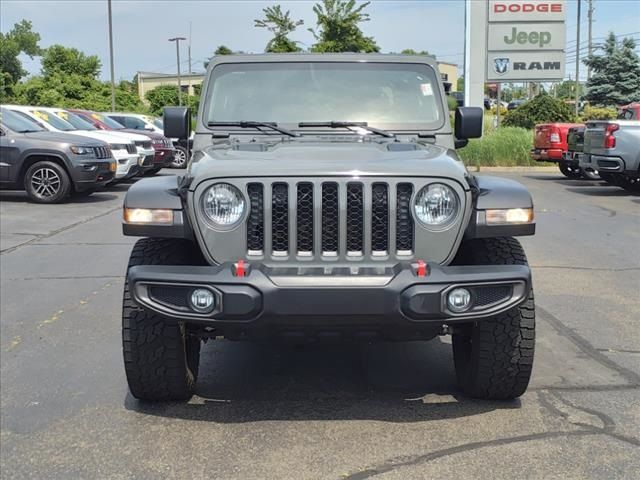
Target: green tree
[[280, 25], [460, 85], [69, 61], [567, 90], [221, 50], [542, 109], [167, 96], [616, 73], [338, 29], [411, 51], [19, 40]]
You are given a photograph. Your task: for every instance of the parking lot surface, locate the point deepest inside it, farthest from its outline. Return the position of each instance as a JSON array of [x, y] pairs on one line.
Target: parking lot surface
[[388, 410]]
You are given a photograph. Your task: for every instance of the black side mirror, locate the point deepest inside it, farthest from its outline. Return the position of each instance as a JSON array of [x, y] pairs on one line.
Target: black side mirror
[[177, 122], [468, 123]]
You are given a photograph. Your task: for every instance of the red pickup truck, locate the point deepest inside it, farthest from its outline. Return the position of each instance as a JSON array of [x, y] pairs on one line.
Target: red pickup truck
[[550, 145]]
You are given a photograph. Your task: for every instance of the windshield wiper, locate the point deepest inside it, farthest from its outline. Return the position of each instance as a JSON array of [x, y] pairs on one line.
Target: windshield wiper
[[252, 124], [335, 124]]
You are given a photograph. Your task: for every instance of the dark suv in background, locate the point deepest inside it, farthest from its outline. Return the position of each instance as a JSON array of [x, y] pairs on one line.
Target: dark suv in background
[[50, 166]]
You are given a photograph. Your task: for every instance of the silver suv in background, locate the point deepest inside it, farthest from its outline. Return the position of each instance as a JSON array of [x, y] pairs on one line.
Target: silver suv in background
[[50, 166]]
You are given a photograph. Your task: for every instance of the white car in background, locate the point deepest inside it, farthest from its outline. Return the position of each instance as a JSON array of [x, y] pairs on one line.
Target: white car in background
[[138, 121], [123, 150]]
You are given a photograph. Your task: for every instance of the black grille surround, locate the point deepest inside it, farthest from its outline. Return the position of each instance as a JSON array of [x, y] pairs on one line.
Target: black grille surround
[[255, 221], [102, 152]]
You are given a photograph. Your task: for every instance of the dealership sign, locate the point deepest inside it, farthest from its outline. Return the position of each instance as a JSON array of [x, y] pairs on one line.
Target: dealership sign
[[525, 40]]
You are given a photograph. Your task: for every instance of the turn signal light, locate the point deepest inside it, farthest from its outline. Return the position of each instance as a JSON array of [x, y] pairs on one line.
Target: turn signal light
[[148, 215], [509, 216]]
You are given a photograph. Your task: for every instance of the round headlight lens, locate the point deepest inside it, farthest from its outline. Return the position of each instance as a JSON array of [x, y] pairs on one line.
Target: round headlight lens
[[436, 205], [223, 204]]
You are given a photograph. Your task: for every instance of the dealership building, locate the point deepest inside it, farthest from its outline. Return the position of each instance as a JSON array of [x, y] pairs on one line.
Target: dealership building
[[191, 82]]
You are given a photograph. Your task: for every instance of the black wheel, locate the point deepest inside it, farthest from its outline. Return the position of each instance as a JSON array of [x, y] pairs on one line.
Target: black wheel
[[47, 182], [569, 170], [160, 358], [494, 358], [179, 158]]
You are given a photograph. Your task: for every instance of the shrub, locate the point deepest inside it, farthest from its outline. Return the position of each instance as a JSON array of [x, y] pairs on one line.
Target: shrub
[[452, 103], [542, 109], [506, 146], [597, 113]]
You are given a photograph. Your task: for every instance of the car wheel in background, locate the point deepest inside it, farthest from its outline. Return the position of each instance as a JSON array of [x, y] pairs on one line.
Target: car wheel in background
[[47, 182], [179, 158], [569, 170]]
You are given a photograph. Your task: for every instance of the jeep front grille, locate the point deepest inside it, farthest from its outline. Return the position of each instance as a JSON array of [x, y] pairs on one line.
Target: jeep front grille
[[131, 148], [102, 152], [325, 219]]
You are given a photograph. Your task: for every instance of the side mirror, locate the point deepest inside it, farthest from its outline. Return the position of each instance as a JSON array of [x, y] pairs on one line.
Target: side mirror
[[468, 123], [177, 122]]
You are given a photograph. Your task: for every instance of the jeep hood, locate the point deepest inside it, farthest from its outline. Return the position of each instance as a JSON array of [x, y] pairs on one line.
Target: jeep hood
[[327, 159]]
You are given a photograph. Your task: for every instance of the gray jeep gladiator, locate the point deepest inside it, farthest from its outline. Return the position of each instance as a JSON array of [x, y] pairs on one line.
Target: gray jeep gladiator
[[324, 200]]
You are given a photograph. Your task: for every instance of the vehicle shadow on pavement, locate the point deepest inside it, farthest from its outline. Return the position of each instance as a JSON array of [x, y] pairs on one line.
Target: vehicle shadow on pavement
[[601, 191], [96, 197], [393, 382]]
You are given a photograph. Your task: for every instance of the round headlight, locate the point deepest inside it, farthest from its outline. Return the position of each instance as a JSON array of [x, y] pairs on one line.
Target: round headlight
[[223, 204], [436, 205]]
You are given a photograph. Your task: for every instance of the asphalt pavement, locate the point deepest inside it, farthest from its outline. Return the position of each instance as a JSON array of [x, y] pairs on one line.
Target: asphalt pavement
[[331, 411]]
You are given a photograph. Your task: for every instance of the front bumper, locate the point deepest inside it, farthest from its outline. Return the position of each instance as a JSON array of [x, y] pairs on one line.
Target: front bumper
[[283, 297], [127, 166], [163, 157], [89, 175]]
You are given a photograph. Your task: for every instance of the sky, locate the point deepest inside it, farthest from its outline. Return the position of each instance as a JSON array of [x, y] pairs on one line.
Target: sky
[[141, 28]]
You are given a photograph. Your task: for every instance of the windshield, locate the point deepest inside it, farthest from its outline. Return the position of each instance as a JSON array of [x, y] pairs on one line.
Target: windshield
[[53, 120], [157, 122], [109, 122], [386, 95], [18, 123], [75, 120]]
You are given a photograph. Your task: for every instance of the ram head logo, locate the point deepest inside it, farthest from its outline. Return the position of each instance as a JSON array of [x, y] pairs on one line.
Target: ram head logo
[[501, 65]]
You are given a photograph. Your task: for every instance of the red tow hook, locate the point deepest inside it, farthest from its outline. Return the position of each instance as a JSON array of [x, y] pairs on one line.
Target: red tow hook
[[421, 271], [240, 268]]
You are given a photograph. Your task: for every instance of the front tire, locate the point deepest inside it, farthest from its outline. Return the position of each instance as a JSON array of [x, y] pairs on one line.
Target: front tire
[[569, 170], [494, 358], [179, 158], [47, 182], [161, 358]]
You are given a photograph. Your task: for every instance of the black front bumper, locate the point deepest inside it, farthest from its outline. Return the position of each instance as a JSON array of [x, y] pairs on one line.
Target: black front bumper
[[394, 296]]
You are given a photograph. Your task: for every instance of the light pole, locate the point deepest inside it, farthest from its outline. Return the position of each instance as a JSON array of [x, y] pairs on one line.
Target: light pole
[[113, 85], [578, 60], [177, 40]]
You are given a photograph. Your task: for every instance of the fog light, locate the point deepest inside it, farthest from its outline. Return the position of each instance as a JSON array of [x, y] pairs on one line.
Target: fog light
[[202, 300], [459, 300]]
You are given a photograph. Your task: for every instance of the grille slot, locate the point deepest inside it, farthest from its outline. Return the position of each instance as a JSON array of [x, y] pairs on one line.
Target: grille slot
[[102, 152], [326, 218], [355, 219], [280, 218], [304, 219], [131, 148], [330, 219], [255, 221], [489, 295], [380, 219], [404, 219]]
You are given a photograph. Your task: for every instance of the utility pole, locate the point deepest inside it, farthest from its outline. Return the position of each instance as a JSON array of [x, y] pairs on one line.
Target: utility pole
[[189, 50], [113, 85], [177, 40], [578, 58], [590, 16]]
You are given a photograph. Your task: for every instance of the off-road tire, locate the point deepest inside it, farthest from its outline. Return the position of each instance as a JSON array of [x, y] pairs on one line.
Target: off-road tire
[[494, 358], [58, 187], [570, 171], [160, 358]]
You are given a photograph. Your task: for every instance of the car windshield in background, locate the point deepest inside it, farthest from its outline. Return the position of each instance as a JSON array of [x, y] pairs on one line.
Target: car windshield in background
[[18, 123], [385, 95], [75, 120], [53, 120], [157, 122], [109, 122]]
